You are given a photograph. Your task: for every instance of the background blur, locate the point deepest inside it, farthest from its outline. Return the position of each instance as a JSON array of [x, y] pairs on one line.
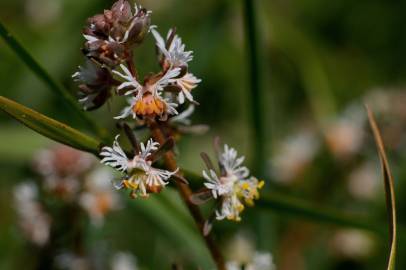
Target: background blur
[[319, 63]]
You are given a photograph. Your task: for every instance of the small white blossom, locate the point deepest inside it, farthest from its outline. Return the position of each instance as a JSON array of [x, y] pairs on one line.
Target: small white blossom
[[186, 84], [124, 261], [147, 99], [98, 197], [232, 164], [140, 176], [260, 261], [33, 221], [175, 54], [233, 186]]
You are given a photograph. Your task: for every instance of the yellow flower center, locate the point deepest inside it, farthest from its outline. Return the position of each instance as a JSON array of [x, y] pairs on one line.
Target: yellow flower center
[[149, 105]]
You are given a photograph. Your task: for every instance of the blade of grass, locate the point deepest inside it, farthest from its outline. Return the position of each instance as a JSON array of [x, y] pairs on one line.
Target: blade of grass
[[255, 89], [43, 75], [299, 208], [389, 189], [49, 127]]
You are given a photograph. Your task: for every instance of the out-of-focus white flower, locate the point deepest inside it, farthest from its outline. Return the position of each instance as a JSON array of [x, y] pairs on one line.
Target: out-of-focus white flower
[[352, 244], [345, 136], [42, 12], [241, 253], [293, 155], [140, 176], [260, 261], [98, 197], [233, 187], [364, 181], [62, 167], [240, 248], [124, 261], [32, 219], [70, 261]]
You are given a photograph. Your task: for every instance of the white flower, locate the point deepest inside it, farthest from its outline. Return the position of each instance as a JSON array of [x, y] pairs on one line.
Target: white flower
[[260, 261], [147, 99], [124, 261], [140, 176], [218, 185], [233, 186], [232, 164], [175, 54], [115, 156], [33, 221], [186, 84], [98, 197]]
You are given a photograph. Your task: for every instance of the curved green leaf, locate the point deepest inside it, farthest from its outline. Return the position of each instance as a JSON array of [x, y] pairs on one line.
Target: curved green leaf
[[389, 189], [49, 127]]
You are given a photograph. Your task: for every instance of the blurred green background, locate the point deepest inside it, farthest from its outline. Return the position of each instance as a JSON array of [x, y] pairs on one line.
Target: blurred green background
[[319, 62]]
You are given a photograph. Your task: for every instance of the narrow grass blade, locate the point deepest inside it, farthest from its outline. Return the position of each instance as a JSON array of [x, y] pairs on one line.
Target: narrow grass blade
[[43, 75], [303, 209], [49, 127], [389, 189], [255, 89]]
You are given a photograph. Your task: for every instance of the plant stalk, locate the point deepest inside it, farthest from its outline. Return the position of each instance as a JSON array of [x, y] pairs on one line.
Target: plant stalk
[[255, 88], [185, 192]]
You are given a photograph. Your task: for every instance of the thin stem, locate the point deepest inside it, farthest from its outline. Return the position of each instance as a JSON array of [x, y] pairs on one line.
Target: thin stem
[[257, 111], [43, 75], [185, 193], [131, 67]]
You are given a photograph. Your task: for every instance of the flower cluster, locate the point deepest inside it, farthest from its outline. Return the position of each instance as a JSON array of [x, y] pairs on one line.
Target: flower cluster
[[139, 174], [155, 100], [110, 39], [232, 186]]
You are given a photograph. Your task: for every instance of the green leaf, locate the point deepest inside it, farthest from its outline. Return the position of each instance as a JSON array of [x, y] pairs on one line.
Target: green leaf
[[389, 189], [49, 127], [43, 75]]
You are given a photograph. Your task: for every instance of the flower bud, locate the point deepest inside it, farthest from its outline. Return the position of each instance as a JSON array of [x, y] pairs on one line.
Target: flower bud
[[95, 84], [139, 27]]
